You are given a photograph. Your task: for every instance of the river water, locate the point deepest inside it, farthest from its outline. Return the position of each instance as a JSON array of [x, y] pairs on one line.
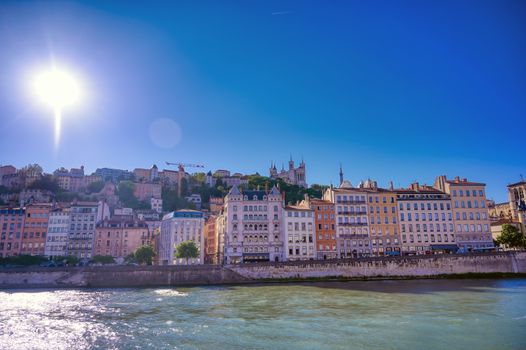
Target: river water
[[422, 314]]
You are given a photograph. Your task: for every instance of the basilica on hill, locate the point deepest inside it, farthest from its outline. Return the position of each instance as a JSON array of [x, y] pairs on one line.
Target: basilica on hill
[[292, 176]]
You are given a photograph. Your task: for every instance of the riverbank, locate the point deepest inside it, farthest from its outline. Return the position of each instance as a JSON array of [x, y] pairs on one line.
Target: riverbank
[[482, 265]]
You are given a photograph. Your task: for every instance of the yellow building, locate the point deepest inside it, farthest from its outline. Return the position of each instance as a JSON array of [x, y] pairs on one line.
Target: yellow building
[[470, 212]]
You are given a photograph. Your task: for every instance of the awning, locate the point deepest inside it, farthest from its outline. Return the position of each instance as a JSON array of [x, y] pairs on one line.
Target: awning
[[450, 247]]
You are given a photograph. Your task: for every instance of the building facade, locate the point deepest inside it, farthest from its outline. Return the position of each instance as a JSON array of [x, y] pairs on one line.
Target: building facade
[[426, 220], [470, 213], [177, 227], [120, 237], [146, 191], [83, 221], [12, 228], [211, 240], [300, 236], [517, 202], [114, 175], [325, 228], [253, 226], [352, 224], [383, 220], [35, 229], [57, 233]]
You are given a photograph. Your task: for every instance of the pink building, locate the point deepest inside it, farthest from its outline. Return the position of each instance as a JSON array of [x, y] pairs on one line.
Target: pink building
[[145, 191]]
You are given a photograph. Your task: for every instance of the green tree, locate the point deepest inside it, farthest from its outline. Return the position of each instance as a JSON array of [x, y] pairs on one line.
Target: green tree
[[95, 187], [511, 237], [187, 250], [198, 178], [31, 170], [103, 259], [126, 196], [69, 260], [144, 255], [46, 182]]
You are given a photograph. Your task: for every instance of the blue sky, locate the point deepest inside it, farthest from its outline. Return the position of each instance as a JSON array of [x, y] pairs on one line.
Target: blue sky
[[394, 90]]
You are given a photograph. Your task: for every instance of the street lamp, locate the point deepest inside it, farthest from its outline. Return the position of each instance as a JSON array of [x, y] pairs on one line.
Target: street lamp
[[57, 89]]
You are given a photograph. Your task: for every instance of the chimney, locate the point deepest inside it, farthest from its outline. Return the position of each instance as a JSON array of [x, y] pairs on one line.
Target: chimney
[[415, 186], [391, 186], [457, 178]]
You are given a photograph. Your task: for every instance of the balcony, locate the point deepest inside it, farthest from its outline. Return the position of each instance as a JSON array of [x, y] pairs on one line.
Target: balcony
[[353, 224], [352, 213], [351, 202]]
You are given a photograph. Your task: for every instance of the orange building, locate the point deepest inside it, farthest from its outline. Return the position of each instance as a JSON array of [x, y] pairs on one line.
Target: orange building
[[120, 237], [210, 233], [35, 229], [325, 223]]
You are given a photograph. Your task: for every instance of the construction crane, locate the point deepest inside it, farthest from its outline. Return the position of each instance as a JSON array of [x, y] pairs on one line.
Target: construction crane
[[181, 172]]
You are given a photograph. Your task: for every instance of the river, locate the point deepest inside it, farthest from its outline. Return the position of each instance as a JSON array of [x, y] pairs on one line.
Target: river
[[417, 314]]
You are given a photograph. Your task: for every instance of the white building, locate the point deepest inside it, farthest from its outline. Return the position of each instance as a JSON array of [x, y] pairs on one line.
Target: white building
[[84, 217], [426, 220], [253, 226], [195, 199], [177, 227], [352, 224], [156, 204], [300, 242], [57, 233]]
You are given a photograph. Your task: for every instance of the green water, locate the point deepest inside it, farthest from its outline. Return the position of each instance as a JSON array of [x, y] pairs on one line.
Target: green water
[[427, 314]]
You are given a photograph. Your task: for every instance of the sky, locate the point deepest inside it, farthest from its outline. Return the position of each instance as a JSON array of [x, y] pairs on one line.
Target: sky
[[392, 90]]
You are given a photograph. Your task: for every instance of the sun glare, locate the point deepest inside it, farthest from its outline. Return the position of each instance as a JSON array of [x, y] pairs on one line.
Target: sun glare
[[57, 88]]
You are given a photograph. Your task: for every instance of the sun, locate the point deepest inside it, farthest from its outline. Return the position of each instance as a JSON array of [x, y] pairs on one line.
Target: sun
[[57, 88]]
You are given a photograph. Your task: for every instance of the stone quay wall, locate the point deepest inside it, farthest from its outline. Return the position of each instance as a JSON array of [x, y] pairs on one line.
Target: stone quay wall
[[366, 268]]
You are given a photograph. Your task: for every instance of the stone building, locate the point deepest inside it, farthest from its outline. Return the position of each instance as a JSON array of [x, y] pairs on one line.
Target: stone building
[[517, 202], [120, 237], [146, 191], [83, 221], [470, 212], [177, 227], [291, 176], [426, 220], [352, 224], [300, 236], [253, 226]]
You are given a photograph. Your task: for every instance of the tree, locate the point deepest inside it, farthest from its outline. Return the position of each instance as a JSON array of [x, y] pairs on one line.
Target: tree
[[187, 250], [46, 182], [95, 187], [31, 170], [144, 255], [126, 196], [511, 237], [69, 260], [103, 259]]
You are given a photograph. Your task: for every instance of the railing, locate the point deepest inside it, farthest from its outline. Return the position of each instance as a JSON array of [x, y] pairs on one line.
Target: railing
[[352, 213], [351, 202], [353, 224]]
